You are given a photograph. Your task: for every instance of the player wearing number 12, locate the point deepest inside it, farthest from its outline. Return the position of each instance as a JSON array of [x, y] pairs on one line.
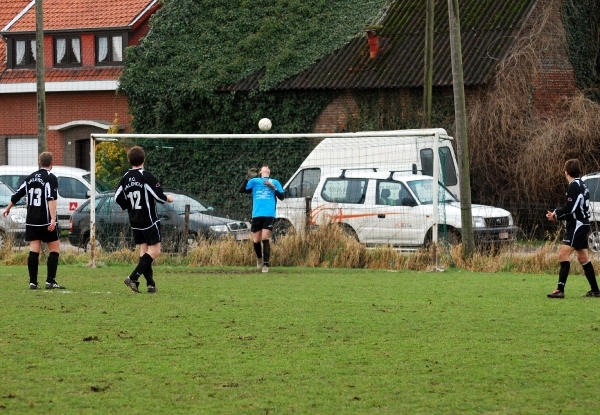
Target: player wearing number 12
[[138, 192]]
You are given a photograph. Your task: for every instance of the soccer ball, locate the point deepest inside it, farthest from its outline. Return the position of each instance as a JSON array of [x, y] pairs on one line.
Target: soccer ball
[[264, 124]]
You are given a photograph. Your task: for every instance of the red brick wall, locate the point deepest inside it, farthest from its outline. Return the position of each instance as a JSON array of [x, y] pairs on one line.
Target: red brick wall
[[555, 77], [334, 117], [88, 50], [61, 108]]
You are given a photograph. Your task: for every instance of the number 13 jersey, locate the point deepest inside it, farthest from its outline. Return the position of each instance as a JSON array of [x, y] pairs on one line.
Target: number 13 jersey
[[40, 187], [138, 193]]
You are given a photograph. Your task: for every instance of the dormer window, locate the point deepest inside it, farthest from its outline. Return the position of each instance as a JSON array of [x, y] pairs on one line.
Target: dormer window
[[109, 49], [23, 53], [67, 51]]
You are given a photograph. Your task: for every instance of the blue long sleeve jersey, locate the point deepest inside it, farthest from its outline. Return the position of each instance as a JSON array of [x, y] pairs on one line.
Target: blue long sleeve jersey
[[577, 204], [263, 197]]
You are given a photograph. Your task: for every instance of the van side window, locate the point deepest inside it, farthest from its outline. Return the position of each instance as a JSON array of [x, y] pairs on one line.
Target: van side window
[[393, 194], [427, 162], [448, 172], [70, 188], [344, 190], [304, 184]]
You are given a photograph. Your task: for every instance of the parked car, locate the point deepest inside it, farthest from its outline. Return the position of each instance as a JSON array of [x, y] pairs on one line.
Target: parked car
[[113, 230], [73, 186], [592, 181], [393, 208], [12, 226]]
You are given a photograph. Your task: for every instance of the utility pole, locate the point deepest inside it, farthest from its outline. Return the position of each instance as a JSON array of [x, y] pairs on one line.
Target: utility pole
[[40, 75], [460, 115], [428, 73]]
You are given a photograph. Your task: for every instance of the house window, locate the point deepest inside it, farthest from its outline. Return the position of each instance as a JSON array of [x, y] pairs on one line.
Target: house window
[[67, 51], [109, 49], [24, 52]]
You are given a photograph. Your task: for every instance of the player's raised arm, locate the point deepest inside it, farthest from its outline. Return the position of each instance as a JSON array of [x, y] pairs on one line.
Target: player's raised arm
[[252, 173]]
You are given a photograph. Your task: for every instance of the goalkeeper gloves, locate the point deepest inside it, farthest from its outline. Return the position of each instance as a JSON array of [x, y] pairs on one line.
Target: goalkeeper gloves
[[252, 173]]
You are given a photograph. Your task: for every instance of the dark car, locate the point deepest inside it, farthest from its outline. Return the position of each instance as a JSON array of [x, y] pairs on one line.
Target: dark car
[[113, 230]]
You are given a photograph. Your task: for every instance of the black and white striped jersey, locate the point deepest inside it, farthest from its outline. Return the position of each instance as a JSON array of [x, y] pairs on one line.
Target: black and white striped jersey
[[40, 187], [577, 204], [138, 192]]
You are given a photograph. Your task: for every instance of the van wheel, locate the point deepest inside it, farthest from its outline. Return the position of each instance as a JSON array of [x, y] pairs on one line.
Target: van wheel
[[594, 237], [281, 227]]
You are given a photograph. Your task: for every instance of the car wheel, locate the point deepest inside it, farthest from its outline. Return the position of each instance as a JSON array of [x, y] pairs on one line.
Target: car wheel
[[281, 227], [349, 231], [448, 236], [594, 238]]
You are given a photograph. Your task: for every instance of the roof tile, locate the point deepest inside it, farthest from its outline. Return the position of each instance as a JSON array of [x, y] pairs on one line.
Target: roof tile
[[489, 29], [81, 14]]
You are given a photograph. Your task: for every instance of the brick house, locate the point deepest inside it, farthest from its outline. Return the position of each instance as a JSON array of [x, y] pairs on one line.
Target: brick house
[[394, 68], [84, 44]]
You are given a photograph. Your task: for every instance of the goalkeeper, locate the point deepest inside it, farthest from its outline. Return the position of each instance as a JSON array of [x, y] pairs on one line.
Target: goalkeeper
[[264, 191]]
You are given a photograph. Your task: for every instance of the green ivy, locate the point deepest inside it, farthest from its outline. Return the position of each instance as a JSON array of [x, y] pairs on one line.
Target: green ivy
[[581, 19], [174, 81]]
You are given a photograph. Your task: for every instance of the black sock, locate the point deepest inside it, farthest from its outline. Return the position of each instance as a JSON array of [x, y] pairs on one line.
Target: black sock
[[590, 274], [52, 266], [143, 264], [149, 275], [266, 251], [257, 249], [32, 266], [563, 274]]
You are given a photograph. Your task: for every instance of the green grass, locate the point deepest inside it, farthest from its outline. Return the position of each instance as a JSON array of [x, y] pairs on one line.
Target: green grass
[[297, 340]]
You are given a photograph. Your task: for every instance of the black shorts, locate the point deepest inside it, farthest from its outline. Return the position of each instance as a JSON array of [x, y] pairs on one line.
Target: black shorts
[[149, 236], [576, 235], [262, 222], [41, 233]]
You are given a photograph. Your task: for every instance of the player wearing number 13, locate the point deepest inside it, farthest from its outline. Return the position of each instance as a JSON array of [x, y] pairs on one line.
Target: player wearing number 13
[[137, 193], [41, 189]]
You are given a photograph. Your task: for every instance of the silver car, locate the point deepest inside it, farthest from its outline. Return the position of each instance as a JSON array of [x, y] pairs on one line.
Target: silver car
[[12, 227]]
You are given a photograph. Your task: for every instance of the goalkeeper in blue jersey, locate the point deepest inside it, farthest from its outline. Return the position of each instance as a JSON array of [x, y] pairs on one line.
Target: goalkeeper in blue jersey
[[265, 192]]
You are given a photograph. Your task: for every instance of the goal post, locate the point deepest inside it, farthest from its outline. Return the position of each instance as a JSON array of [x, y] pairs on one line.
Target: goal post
[[247, 150]]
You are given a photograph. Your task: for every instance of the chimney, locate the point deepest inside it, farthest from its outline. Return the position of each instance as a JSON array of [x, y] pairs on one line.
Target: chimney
[[373, 39]]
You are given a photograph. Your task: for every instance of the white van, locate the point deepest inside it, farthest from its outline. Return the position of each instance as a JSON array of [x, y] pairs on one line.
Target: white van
[[73, 186], [411, 153]]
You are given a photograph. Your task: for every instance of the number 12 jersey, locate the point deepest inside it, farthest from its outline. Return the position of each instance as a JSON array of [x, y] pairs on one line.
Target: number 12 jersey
[[138, 193]]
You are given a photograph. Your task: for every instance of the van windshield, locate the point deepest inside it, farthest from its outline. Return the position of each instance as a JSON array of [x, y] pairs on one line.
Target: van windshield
[[100, 185]]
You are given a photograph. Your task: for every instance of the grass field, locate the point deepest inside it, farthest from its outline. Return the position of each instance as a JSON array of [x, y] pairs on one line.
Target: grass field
[[297, 340]]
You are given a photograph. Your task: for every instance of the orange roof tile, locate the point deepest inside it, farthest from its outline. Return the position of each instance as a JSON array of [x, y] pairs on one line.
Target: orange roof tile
[[81, 14], [63, 75], [10, 9]]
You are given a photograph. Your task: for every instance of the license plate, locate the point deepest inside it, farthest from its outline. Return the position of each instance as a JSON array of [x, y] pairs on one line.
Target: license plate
[[503, 235], [242, 236]]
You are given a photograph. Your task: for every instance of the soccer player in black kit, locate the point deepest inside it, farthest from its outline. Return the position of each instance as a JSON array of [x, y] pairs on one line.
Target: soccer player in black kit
[[41, 225], [575, 213], [138, 193]]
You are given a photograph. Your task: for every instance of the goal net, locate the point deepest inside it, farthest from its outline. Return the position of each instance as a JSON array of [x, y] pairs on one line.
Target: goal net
[[380, 187]]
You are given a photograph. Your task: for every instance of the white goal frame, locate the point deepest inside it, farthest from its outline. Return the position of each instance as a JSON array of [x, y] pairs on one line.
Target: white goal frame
[[437, 133]]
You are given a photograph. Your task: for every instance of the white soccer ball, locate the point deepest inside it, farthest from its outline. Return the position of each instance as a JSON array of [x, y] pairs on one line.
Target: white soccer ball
[[264, 124]]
